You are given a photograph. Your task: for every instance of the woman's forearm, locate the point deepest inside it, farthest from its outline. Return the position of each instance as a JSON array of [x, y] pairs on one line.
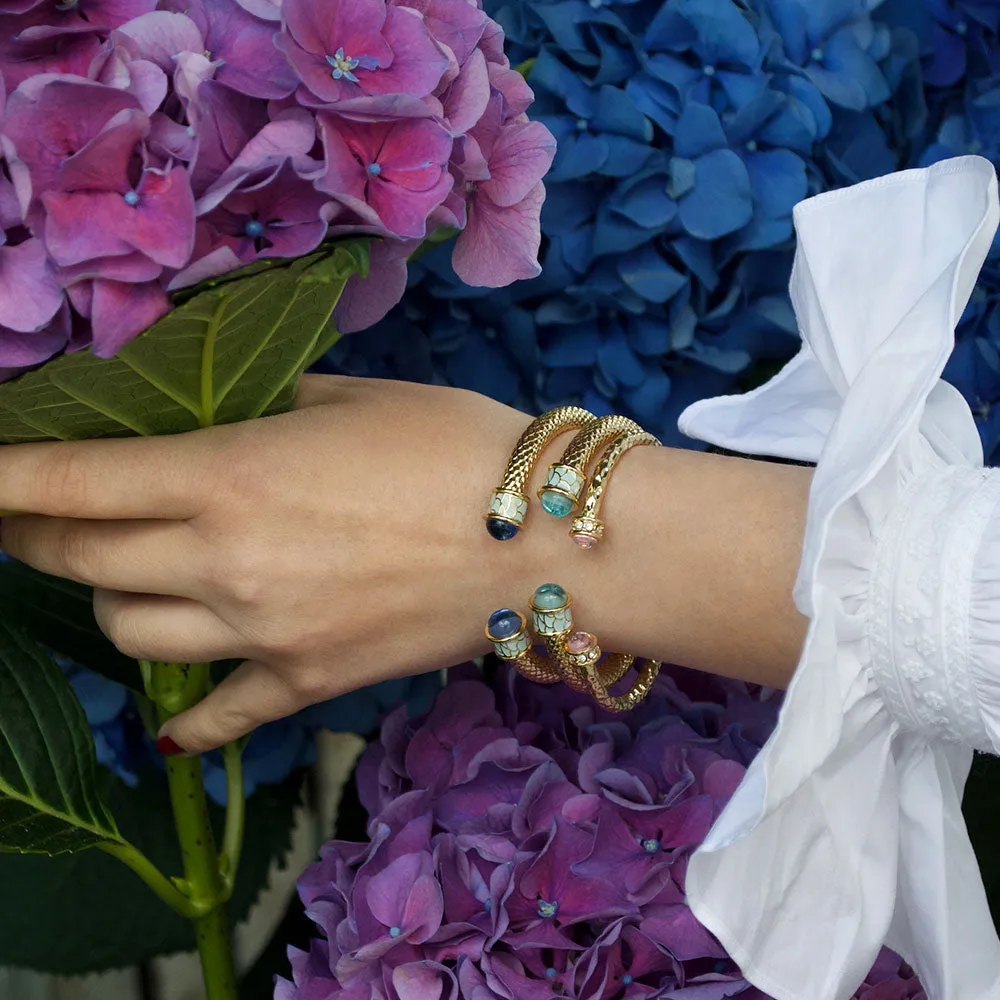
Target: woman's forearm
[[697, 564]]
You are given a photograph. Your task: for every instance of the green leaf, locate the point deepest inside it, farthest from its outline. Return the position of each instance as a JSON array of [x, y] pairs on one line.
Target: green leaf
[[49, 797], [82, 913], [232, 352], [59, 614]]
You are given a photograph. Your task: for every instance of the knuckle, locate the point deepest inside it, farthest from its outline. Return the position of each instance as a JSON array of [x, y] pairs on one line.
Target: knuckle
[[243, 575], [310, 686], [76, 553], [122, 629], [64, 478]]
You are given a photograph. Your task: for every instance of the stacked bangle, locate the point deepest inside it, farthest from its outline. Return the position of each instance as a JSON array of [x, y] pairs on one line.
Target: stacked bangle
[[566, 478], [588, 528], [572, 656], [508, 502]]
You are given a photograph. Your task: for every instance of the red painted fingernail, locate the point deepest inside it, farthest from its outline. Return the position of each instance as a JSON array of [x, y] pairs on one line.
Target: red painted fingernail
[[168, 747]]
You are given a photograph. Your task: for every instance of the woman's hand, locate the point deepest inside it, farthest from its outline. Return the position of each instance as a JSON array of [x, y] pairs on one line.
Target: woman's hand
[[330, 547], [343, 543]]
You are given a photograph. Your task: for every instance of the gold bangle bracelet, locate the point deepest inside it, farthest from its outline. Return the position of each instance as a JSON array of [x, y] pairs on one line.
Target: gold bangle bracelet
[[588, 528], [508, 502], [573, 656], [566, 478]]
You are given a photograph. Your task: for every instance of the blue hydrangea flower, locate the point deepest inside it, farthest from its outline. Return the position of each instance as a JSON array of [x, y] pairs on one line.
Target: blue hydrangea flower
[[114, 721], [688, 130], [837, 45]]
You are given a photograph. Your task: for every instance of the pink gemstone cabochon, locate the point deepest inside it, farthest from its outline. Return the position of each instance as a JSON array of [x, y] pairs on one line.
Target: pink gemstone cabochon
[[579, 642], [585, 541]]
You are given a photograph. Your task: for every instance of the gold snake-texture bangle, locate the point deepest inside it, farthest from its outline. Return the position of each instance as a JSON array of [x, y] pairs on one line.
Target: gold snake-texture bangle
[[508, 502], [574, 656], [632, 697], [565, 480], [588, 528], [611, 669]]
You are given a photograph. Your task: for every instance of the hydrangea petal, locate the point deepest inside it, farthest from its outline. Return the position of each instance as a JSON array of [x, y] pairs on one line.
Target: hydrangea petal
[[120, 312], [467, 97], [160, 225], [244, 47], [500, 245], [418, 62], [22, 350], [520, 158], [721, 201], [160, 36], [29, 294], [102, 165], [366, 300], [698, 131], [421, 981]]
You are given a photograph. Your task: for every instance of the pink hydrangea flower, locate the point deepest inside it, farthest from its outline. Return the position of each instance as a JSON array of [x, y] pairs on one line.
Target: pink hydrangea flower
[[150, 144], [499, 244], [393, 174], [346, 50]]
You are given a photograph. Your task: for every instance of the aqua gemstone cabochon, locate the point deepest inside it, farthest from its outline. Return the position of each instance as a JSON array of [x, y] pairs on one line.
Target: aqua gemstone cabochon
[[556, 504], [549, 596]]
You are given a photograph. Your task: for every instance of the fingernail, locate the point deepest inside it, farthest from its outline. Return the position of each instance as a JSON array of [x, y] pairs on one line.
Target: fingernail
[[168, 747]]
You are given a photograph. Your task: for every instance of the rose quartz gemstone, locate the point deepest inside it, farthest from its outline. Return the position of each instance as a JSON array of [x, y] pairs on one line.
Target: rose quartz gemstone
[[580, 642], [585, 541]]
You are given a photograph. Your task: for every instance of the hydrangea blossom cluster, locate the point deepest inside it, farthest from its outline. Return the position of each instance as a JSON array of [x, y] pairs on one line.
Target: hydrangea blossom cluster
[[525, 845], [148, 144], [687, 131]]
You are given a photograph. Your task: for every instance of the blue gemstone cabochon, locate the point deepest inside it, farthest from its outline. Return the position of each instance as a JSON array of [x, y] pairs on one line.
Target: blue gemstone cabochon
[[502, 531], [504, 623]]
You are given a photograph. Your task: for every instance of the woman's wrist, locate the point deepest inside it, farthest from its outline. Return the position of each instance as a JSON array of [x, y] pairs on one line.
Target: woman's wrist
[[696, 567]]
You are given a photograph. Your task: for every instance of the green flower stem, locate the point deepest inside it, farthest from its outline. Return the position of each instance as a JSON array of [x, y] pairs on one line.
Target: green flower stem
[[236, 810], [155, 879], [180, 686]]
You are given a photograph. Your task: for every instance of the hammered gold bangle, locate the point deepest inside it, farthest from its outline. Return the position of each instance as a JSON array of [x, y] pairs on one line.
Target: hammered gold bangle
[[508, 502], [588, 528], [574, 656], [566, 478]]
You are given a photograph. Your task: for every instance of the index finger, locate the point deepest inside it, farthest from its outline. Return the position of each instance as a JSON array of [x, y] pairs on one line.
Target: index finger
[[155, 477]]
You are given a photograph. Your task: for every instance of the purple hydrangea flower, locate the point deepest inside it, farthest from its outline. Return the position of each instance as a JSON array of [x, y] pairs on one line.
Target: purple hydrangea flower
[[392, 174], [527, 845], [239, 45]]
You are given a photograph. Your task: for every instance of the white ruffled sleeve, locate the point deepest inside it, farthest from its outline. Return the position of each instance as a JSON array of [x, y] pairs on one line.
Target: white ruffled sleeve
[[847, 831]]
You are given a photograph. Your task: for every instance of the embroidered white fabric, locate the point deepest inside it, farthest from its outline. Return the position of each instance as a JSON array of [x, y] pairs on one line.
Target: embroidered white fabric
[[847, 831]]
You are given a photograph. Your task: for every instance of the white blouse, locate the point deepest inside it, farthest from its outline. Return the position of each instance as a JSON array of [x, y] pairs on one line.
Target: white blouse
[[847, 831]]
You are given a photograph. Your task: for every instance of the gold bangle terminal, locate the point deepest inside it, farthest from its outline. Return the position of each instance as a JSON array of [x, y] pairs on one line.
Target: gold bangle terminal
[[574, 656], [508, 505], [588, 528], [565, 480]]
